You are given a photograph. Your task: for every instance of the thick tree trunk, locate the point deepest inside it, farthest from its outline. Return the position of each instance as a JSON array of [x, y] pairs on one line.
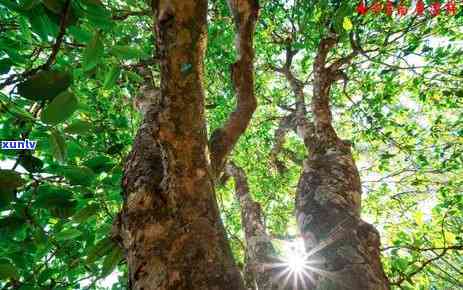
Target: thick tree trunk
[[170, 223], [328, 200], [343, 251]]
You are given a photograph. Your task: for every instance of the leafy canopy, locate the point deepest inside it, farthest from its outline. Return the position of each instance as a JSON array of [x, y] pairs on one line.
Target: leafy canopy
[[70, 71]]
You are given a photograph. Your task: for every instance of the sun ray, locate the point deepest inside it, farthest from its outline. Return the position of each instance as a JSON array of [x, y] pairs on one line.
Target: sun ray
[[300, 267]]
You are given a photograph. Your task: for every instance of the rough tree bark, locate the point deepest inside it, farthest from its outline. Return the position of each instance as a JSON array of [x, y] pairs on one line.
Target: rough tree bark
[[345, 248], [261, 271], [170, 224]]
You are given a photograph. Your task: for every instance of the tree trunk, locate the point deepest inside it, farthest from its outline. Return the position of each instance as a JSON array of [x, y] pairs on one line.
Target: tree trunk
[[262, 268], [170, 223], [344, 248]]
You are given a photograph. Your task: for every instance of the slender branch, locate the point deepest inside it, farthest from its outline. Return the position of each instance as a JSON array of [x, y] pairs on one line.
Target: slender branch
[[419, 269], [297, 120], [337, 64], [287, 123], [123, 14], [59, 39], [242, 73], [418, 249]]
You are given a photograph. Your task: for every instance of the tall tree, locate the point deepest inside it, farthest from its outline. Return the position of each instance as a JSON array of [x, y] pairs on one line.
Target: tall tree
[[329, 190], [73, 75], [170, 220]]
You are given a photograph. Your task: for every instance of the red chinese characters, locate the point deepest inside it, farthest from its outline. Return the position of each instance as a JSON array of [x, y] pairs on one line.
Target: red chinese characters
[[377, 7], [362, 8], [419, 9], [451, 7], [435, 9], [389, 8], [402, 10]]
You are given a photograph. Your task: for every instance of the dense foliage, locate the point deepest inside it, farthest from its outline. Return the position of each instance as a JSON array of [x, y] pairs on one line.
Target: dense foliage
[[71, 71]]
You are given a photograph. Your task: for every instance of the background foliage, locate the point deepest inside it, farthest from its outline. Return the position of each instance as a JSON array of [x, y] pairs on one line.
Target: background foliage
[[70, 71]]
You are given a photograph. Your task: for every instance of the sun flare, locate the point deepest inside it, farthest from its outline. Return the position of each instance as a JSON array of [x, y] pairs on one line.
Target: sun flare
[[297, 267], [294, 256]]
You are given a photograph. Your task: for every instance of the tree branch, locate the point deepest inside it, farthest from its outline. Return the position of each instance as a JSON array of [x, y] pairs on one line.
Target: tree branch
[[123, 14], [287, 123], [260, 254], [322, 84], [59, 40], [419, 269], [302, 126], [223, 139]]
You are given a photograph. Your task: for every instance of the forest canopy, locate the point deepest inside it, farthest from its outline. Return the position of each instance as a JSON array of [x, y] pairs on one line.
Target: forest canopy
[[82, 77]]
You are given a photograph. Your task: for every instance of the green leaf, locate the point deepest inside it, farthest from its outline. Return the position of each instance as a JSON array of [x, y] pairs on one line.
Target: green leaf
[[55, 6], [93, 2], [10, 224], [96, 13], [5, 65], [85, 213], [60, 108], [58, 200], [45, 85], [41, 24], [111, 261], [111, 77], [63, 212], [127, 52], [10, 5], [14, 108], [100, 249], [9, 181], [29, 287], [29, 4], [79, 127], [80, 34], [93, 53], [99, 163], [52, 196], [68, 234], [8, 270], [79, 175], [58, 145], [45, 275], [115, 149]]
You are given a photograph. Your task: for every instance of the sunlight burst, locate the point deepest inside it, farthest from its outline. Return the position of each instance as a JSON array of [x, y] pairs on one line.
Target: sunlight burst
[[295, 264], [294, 256]]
